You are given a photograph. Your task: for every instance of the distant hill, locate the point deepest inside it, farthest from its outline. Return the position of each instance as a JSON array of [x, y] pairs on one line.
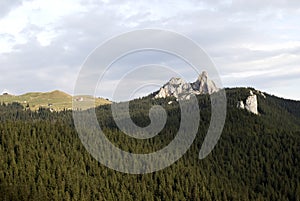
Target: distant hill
[[54, 100]]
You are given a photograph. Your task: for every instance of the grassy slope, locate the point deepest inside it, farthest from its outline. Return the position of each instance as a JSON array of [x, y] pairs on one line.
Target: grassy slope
[[57, 100]]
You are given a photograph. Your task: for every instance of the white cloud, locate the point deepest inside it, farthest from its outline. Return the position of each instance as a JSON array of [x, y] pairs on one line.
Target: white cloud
[[252, 42], [40, 14], [7, 5]]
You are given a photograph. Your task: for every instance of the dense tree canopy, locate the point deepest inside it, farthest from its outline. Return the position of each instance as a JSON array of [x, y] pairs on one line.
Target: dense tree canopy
[[256, 158]]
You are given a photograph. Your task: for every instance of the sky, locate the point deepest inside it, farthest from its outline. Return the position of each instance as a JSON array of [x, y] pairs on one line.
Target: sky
[[44, 43]]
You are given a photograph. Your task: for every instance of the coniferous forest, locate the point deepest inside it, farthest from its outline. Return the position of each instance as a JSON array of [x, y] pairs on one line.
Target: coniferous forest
[[256, 158]]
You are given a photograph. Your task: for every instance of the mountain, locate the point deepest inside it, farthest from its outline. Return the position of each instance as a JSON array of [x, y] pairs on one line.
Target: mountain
[[182, 90], [256, 158], [54, 100]]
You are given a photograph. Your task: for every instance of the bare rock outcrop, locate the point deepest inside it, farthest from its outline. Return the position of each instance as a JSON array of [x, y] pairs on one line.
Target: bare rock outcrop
[[176, 87], [182, 90], [203, 85], [250, 104]]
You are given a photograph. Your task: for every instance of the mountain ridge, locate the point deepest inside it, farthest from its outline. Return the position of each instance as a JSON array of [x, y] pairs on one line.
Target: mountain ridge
[[256, 157]]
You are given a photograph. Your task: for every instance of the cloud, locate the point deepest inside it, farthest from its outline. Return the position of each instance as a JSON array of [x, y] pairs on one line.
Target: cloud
[[7, 5], [251, 42]]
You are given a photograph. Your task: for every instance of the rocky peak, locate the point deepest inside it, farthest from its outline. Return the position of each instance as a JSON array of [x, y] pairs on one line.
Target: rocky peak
[[203, 85], [182, 90], [176, 87], [176, 81]]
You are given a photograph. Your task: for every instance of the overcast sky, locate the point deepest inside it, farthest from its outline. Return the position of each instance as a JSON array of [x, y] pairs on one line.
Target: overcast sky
[[43, 43]]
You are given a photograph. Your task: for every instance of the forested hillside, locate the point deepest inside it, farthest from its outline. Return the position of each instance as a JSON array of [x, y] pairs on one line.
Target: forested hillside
[[256, 158]]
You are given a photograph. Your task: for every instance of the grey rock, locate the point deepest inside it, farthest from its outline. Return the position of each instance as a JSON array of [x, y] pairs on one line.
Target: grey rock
[[203, 85], [182, 90], [250, 104]]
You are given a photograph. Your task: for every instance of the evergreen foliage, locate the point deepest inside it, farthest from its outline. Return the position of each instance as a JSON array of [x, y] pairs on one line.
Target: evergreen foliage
[[256, 158]]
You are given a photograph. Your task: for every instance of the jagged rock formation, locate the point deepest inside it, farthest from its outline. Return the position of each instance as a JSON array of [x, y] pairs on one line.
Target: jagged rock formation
[[182, 90], [176, 87], [203, 85], [250, 104]]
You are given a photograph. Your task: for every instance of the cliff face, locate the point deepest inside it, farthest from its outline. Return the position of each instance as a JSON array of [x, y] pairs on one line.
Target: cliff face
[[176, 87], [203, 85], [250, 104], [182, 90]]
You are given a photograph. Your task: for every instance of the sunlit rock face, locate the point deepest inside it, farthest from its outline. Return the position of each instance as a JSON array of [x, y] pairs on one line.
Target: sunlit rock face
[[203, 85], [182, 90], [250, 104], [176, 87]]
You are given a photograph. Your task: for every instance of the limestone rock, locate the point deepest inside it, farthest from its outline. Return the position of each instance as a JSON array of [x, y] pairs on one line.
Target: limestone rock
[[176, 87], [250, 104], [241, 105], [203, 85], [182, 90]]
